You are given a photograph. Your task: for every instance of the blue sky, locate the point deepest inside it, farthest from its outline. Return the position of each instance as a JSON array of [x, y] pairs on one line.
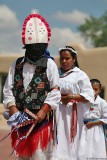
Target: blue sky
[[63, 17]]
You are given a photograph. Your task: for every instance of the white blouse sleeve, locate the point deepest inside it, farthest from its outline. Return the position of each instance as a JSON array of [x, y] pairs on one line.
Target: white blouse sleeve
[[86, 89], [54, 95], [104, 111], [7, 90]]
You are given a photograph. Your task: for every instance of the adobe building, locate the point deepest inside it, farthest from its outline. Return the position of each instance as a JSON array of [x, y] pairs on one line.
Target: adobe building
[[92, 61]]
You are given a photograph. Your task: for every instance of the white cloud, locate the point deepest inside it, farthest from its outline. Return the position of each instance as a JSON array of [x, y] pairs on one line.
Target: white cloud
[[60, 37], [7, 18], [75, 17], [10, 31]]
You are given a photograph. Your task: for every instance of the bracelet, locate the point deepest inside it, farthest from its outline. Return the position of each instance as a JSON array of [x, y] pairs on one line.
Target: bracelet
[[73, 96], [43, 110]]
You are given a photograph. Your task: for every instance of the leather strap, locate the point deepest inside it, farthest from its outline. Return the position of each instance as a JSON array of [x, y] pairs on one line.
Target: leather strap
[[46, 108]]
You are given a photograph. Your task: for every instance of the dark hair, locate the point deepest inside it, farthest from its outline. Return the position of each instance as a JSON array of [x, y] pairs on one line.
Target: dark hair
[[96, 81], [72, 54]]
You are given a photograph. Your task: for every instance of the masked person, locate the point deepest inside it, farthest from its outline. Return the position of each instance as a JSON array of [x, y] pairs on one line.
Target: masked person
[[32, 85]]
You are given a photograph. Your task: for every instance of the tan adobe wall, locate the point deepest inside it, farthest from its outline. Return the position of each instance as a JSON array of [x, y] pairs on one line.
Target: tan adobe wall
[[92, 61]]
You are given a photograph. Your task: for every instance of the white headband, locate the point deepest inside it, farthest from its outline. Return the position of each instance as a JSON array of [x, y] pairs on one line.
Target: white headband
[[65, 48]]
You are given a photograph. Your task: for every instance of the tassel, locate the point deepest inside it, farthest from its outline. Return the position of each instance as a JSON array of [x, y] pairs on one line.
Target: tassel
[[45, 138], [8, 135], [55, 139], [16, 146], [74, 122]]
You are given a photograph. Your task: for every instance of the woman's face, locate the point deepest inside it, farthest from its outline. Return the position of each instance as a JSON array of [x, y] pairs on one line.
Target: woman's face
[[66, 60]]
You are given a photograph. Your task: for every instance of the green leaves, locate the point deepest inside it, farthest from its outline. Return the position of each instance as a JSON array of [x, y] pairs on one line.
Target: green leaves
[[96, 29]]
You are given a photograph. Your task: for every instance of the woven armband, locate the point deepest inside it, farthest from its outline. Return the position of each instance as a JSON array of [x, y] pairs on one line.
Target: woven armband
[[43, 110], [46, 108]]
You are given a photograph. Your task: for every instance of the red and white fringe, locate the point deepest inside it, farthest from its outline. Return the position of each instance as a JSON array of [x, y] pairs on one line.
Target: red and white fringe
[[41, 136]]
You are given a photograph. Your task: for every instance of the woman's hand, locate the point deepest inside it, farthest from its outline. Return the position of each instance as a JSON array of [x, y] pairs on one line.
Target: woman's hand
[[66, 98], [70, 97]]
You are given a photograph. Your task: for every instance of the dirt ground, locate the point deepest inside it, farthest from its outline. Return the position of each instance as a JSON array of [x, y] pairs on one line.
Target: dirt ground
[[5, 146]]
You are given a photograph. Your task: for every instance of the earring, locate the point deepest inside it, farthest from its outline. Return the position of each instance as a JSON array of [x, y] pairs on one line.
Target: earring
[[74, 65]]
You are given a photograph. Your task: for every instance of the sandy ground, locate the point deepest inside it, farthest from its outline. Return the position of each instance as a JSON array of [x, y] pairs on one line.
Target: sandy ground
[[5, 146]]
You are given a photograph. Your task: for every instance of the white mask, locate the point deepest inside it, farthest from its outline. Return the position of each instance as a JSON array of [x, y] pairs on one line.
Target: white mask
[[35, 30]]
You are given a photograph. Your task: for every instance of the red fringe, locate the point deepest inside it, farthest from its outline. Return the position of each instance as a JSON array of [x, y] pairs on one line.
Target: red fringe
[[28, 146], [74, 122]]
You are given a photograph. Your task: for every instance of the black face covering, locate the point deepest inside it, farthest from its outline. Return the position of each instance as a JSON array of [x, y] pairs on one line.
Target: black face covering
[[35, 54]]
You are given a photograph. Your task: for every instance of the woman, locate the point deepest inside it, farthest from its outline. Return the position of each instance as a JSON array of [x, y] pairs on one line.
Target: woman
[[77, 97]]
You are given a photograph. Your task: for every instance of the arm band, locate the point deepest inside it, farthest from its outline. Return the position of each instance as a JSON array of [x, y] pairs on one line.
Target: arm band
[[43, 110], [46, 108]]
